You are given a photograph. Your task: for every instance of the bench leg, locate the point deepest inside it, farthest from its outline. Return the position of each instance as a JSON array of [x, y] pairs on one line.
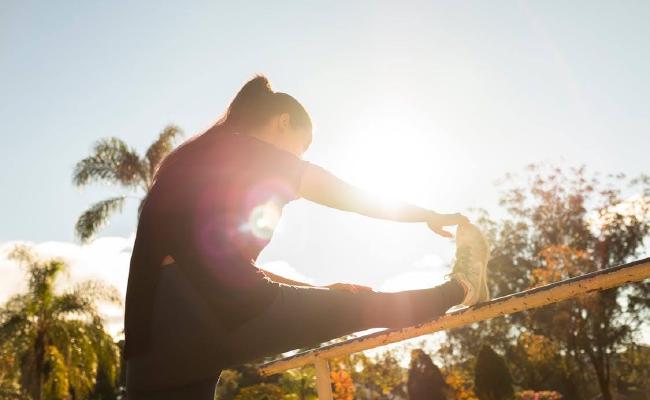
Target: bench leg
[[323, 379]]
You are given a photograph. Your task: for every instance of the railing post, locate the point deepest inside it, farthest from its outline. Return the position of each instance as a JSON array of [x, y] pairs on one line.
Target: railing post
[[323, 379]]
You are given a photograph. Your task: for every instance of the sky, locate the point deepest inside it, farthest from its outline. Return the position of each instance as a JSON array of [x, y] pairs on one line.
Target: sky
[[428, 101]]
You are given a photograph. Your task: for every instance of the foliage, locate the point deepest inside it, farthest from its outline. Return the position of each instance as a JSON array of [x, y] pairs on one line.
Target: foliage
[[425, 381], [228, 384], [261, 391], [300, 382], [343, 385], [561, 223], [112, 161], [543, 395], [380, 377], [460, 381], [633, 370], [55, 342], [492, 379]]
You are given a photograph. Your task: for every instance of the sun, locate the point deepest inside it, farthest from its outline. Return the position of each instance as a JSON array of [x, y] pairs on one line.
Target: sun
[[397, 156]]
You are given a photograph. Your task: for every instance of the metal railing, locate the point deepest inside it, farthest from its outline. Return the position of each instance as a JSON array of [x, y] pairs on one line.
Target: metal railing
[[521, 301]]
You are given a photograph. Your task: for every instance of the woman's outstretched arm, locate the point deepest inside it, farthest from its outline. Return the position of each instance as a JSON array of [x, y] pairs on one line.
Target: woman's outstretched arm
[[282, 279], [322, 187]]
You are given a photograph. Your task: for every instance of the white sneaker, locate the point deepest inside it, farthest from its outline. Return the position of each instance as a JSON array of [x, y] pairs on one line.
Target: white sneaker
[[470, 267]]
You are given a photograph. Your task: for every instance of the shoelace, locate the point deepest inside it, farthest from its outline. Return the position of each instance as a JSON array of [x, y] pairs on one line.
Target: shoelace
[[463, 262]]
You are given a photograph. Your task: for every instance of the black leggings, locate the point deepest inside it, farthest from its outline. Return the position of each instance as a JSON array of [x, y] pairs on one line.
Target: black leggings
[[189, 348]]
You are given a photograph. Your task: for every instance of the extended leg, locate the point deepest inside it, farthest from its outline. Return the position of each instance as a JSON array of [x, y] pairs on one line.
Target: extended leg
[[303, 316]]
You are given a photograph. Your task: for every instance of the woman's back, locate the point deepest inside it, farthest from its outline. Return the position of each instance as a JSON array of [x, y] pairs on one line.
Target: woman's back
[[204, 211]]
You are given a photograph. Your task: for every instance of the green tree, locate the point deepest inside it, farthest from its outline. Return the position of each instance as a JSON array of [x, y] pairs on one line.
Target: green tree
[[228, 384], [561, 223], [56, 342], [113, 161], [633, 371], [261, 391], [379, 377], [425, 381], [492, 380], [301, 382]]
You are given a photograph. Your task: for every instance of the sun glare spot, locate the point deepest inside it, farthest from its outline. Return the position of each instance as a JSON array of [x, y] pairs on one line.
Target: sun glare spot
[[263, 219]]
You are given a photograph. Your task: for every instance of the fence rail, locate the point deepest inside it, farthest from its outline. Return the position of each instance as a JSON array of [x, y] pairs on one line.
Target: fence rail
[[516, 302]]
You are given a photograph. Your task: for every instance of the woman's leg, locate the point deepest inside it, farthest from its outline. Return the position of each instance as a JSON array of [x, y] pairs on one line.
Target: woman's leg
[[189, 345], [185, 356], [304, 316]]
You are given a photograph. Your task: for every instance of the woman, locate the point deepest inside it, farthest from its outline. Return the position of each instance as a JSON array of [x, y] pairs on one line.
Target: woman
[[196, 303]]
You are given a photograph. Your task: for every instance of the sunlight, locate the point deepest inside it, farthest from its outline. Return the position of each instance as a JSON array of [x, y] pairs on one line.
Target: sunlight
[[396, 153]]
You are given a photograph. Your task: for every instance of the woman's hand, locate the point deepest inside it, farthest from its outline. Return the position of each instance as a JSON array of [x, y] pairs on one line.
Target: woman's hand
[[438, 221], [349, 287]]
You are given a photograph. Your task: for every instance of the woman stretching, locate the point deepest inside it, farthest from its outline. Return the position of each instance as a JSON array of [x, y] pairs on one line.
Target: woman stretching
[[196, 303]]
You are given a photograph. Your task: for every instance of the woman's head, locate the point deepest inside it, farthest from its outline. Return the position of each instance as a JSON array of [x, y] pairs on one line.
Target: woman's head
[[275, 117], [256, 110]]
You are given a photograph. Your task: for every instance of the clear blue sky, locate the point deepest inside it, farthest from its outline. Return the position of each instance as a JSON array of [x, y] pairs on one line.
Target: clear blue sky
[[434, 100]]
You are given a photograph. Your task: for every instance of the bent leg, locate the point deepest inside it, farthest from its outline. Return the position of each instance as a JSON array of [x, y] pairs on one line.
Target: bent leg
[[305, 316]]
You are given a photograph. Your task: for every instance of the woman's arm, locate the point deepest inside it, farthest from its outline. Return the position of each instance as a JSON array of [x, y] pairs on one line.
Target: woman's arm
[[322, 187], [282, 279], [348, 287]]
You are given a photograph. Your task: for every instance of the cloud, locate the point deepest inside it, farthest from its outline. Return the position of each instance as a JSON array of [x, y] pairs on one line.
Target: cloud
[[105, 259]]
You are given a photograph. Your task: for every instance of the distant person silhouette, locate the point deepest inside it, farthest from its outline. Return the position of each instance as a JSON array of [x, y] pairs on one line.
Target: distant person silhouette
[[196, 302]]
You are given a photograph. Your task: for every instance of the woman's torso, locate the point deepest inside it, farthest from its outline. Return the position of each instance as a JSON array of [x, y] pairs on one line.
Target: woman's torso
[[212, 208]]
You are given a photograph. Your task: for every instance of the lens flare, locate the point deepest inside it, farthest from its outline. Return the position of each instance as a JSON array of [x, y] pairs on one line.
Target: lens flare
[[263, 219]]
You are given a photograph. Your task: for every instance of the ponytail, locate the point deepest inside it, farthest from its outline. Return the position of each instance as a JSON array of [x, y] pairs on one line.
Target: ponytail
[[254, 104]]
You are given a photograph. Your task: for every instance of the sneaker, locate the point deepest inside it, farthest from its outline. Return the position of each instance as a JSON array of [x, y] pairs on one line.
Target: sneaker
[[470, 267]]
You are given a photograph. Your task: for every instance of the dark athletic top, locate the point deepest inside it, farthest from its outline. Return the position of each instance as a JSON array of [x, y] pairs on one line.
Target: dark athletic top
[[213, 213]]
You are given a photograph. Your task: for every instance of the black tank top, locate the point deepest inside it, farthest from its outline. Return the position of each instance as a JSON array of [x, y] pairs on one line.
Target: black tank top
[[213, 212]]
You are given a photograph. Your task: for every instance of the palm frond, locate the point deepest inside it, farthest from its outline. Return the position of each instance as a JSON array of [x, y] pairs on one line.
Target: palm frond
[[112, 161], [22, 254], [161, 147], [96, 216], [41, 281], [81, 353], [71, 303], [99, 291], [13, 318]]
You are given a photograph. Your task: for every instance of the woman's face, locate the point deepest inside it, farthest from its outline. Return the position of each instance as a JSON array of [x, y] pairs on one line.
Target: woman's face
[[288, 138]]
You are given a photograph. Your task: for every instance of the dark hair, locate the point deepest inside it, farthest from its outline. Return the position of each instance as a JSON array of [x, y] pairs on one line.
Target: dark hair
[[254, 104]]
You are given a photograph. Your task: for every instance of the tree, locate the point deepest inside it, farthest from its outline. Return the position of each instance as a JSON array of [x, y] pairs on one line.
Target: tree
[[228, 384], [492, 379], [380, 377], [343, 384], [56, 342], [425, 381], [113, 162], [633, 371], [261, 391], [562, 223], [300, 382], [543, 395], [460, 381]]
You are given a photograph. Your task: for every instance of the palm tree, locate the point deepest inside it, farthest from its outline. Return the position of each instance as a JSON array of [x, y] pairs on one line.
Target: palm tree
[[113, 161], [56, 342]]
